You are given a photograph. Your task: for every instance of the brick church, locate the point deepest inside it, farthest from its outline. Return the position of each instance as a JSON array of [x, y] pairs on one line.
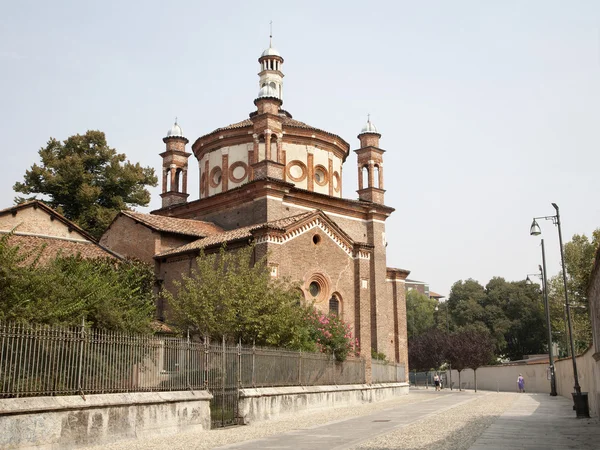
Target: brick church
[[277, 182]]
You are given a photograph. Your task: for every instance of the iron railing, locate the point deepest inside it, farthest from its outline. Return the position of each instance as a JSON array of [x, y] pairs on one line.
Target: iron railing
[[51, 360]]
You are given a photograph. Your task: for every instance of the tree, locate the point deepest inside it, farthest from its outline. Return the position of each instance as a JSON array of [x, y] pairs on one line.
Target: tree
[[579, 260], [456, 353], [428, 351], [227, 293], [87, 181], [478, 349], [108, 294], [419, 313], [512, 313]]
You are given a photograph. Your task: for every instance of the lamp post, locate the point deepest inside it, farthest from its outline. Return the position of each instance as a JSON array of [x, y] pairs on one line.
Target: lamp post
[[579, 399], [542, 276]]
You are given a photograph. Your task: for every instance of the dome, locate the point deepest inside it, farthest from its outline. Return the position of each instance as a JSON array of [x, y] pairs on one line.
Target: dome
[[175, 131], [369, 128], [267, 91], [270, 52]]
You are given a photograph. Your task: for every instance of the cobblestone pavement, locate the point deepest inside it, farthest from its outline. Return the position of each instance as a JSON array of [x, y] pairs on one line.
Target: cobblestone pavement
[[424, 419]]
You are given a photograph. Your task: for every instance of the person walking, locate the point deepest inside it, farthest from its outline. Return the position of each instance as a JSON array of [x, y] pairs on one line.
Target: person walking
[[436, 381], [521, 383]]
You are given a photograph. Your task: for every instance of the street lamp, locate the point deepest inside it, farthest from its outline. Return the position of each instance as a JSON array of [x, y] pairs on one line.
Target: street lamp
[[579, 399], [542, 276]]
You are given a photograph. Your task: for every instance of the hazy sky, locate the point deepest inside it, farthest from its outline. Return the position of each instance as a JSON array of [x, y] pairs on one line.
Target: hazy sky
[[489, 111]]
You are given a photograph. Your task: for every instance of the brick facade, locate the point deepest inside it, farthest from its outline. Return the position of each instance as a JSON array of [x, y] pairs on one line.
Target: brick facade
[[292, 171]]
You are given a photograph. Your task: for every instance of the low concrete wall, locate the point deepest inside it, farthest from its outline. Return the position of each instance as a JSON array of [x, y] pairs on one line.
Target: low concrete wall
[[269, 403], [504, 378], [71, 421], [588, 371]]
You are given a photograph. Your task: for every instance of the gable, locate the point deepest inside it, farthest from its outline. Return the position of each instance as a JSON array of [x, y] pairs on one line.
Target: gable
[[327, 227], [36, 221]]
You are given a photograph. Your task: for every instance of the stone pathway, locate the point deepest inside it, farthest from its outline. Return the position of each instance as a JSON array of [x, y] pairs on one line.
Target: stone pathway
[[350, 432], [538, 421]]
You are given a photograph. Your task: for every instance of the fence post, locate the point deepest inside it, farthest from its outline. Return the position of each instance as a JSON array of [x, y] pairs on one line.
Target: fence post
[[206, 362], [333, 366], [237, 418], [253, 362], [223, 380], [300, 368], [82, 337], [187, 362]]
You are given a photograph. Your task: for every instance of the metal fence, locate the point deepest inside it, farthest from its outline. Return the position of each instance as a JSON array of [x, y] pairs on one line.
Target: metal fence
[[42, 360], [387, 372], [425, 379]]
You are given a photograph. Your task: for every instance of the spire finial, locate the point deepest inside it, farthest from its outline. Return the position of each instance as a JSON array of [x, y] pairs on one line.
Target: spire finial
[[369, 118], [175, 120], [271, 34]]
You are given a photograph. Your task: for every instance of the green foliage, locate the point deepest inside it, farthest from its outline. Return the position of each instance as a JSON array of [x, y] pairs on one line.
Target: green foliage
[[331, 334], [378, 355], [511, 312], [109, 294], [87, 181], [419, 313], [230, 294], [579, 260]]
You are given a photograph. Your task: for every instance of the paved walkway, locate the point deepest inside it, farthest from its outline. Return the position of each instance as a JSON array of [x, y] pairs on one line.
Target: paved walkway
[[538, 421], [533, 421]]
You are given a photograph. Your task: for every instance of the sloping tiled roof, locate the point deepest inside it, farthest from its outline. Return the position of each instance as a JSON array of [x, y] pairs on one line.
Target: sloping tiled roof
[[285, 120], [54, 247], [237, 234], [41, 205], [435, 295], [172, 225]]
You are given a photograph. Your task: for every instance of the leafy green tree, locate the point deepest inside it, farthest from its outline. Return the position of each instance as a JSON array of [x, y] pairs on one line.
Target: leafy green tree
[[87, 181], [512, 313], [465, 302], [579, 260], [419, 313], [108, 294], [228, 294]]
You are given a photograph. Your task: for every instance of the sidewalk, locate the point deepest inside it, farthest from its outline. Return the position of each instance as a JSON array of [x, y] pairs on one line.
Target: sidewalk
[[538, 421], [532, 421]]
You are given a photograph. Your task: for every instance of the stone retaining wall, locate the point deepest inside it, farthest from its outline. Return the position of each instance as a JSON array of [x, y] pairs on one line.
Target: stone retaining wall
[[270, 403], [70, 421]]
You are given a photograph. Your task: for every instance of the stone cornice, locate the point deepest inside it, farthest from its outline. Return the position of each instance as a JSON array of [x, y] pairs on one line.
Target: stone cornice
[[280, 189]]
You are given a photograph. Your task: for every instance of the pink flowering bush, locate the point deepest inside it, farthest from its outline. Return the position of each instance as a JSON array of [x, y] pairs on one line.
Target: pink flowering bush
[[332, 335]]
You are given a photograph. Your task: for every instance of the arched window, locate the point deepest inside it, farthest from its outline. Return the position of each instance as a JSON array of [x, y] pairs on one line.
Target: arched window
[[167, 182], [365, 176], [376, 176], [334, 305], [178, 181]]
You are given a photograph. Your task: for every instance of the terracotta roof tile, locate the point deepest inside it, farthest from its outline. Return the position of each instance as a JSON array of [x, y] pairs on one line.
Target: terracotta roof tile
[[187, 227], [234, 235], [286, 121], [54, 247]]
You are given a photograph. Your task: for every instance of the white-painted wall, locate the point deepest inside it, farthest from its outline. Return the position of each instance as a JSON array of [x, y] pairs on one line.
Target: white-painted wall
[[504, 378]]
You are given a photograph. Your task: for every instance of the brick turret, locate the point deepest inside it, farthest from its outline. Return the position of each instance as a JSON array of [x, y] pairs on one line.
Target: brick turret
[[175, 166], [370, 165]]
